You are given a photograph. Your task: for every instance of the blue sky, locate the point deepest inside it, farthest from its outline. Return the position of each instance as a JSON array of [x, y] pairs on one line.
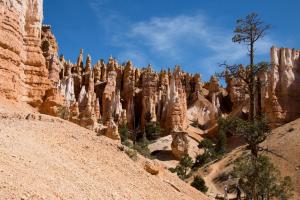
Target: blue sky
[[195, 34]]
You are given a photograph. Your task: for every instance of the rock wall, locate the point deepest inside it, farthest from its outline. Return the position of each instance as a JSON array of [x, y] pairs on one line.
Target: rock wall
[[106, 95], [24, 76], [282, 93]]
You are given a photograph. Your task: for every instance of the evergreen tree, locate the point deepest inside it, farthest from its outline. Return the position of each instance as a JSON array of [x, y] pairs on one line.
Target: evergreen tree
[[199, 184]]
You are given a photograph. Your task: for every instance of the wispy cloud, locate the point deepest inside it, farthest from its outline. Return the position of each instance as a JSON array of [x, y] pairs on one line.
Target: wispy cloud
[[181, 38], [192, 41]]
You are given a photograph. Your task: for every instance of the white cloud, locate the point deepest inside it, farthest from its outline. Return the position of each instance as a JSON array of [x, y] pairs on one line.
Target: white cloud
[[187, 40], [174, 36]]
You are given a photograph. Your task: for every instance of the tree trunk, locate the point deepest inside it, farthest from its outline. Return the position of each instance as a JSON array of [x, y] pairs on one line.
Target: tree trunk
[[259, 105], [252, 84]]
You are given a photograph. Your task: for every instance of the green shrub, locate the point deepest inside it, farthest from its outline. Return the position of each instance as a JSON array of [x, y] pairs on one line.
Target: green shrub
[[208, 155], [153, 130], [221, 146], [199, 184], [45, 46], [171, 169], [206, 144], [128, 143], [141, 146], [224, 126], [184, 166], [131, 154], [261, 174], [201, 160], [63, 112], [124, 134]]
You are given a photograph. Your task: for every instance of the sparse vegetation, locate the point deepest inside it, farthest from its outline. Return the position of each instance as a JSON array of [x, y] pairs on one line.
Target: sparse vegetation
[[213, 151], [183, 167], [259, 177], [199, 184], [63, 112], [221, 145], [131, 154], [124, 134], [210, 153], [153, 130], [255, 130], [45, 46], [141, 146], [138, 145]]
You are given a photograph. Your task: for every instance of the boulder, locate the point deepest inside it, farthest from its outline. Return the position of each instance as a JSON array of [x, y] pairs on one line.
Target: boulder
[[152, 167]]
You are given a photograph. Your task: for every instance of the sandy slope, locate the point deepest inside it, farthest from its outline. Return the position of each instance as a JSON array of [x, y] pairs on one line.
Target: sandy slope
[[284, 148], [46, 158]]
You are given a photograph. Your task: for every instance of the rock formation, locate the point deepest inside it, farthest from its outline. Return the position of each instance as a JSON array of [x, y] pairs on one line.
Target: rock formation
[[109, 106], [149, 96], [105, 95], [176, 121], [282, 102], [22, 64], [236, 88], [128, 92]]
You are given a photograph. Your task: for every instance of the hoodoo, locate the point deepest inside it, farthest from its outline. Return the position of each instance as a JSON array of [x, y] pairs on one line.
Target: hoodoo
[[171, 116]]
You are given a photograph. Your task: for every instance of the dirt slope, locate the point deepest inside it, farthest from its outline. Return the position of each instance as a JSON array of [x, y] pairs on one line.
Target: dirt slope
[[284, 148], [46, 158]]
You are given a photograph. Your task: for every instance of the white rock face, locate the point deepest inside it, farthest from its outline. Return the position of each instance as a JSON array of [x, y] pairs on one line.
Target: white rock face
[[283, 99], [82, 100], [203, 112], [70, 95]]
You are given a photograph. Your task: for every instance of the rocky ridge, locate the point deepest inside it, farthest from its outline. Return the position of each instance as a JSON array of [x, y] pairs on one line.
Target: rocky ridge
[[103, 96]]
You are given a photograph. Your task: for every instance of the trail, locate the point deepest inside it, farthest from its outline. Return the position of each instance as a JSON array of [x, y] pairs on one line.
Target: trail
[[213, 172]]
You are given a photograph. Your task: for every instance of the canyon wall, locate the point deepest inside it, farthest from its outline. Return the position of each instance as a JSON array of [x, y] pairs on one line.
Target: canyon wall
[[22, 64], [105, 96], [283, 89], [108, 95]]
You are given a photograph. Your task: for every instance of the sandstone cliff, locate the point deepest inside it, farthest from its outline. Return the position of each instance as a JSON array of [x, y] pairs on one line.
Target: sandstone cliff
[[104, 96], [22, 64], [282, 92]]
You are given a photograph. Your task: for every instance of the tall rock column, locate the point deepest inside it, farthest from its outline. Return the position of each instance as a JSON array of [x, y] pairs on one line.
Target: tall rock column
[[213, 93], [162, 96], [36, 75], [282, 104], [176, 121], [108, 100], [50, 51], [78, 82], [128, 92], [149, 96], [22, 65]]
